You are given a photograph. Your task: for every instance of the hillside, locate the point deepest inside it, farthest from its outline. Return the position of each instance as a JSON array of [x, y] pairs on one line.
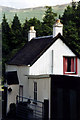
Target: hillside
[[37, 12]]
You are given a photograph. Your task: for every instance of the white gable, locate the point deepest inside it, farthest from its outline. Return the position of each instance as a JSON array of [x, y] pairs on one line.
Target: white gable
[[48, 65]]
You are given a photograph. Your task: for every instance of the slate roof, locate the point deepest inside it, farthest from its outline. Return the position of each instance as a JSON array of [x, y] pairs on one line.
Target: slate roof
[[31, 51]]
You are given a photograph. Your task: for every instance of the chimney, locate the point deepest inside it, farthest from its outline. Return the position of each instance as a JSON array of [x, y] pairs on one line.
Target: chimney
[[57, 28], [31, 33]]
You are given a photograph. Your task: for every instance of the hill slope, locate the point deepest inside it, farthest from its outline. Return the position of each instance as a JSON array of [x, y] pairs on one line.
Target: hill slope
[[37, 12]]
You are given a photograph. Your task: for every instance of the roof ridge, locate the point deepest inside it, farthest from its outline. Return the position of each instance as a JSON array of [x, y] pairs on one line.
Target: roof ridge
[[43, 37]]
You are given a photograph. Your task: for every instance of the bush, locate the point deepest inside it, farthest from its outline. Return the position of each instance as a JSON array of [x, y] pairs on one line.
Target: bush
[[12, 112]]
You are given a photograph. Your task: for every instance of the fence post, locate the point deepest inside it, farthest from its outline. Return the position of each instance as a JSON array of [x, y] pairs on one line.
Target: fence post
[[17, 99], [46, 109]]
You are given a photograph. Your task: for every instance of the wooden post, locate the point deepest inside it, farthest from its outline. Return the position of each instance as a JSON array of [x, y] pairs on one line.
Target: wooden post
[[46, 109]]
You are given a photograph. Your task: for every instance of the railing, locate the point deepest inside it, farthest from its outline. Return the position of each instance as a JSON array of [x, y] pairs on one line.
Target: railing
[[29, 109]]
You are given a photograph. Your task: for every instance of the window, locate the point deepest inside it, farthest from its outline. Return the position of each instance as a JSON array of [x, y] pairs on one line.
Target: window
[[21, 92], [35, 90], [70, 65]]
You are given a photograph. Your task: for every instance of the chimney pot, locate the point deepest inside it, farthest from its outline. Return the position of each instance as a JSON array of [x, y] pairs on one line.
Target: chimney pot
[[31, 33], [58, 21], [32, 28]]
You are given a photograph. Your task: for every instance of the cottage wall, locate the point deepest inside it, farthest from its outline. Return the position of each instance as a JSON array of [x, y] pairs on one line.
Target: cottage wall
[[45, 65], [21, 71], [11, 96], [43, 88]]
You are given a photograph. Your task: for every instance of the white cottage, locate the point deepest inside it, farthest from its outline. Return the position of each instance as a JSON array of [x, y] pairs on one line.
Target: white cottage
[[36, 61]]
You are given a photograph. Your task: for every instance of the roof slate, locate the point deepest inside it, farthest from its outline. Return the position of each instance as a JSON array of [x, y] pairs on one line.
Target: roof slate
[[31, 51]]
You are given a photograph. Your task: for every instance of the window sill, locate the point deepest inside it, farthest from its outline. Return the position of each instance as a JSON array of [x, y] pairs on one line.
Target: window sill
[[70, 72]]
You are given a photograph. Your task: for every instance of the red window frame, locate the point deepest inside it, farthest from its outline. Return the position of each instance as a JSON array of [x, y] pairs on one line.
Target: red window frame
[[73, 65]]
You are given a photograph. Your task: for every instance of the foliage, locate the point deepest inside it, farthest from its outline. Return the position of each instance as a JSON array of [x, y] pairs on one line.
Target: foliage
[[48, 21], [71, 21], [16, 32], [25, 31], [6, 35], [6, 38], [37, 25]]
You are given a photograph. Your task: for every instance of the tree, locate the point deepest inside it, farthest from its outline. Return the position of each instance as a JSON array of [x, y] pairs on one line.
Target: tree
[[70, 33], [48, 21], [6, 40], [73, 5], [25, 29], [16, 33], [6, 35], [78, 18], [37, 25], [71, 21], [68, 15]]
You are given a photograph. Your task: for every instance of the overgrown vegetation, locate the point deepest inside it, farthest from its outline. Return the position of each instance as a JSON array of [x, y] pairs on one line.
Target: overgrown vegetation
[[71, 21], [14, 36]]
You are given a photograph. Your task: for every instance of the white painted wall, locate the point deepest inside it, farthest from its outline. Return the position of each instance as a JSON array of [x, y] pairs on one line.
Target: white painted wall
[[22, 71], [44, 64], [43, 88], [11, 96]]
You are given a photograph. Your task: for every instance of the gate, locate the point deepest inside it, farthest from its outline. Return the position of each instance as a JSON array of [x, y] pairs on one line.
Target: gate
[[28, 109]]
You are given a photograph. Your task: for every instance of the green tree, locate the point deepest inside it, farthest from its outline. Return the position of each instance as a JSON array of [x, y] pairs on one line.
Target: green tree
[[16, 33], [37, 25], [78, 18], [48, 21], [6, 40], [6, 35], [71, 21], [70, 32], [25, 30], [73, 5], [68, 15]]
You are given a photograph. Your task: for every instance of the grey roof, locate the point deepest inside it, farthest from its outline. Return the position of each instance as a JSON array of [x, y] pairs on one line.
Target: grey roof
[[32, 50]]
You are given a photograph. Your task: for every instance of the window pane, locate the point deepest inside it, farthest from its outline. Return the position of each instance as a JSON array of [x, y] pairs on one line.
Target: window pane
[[35, 95], [35, 90], [68, 64], [35, 86], [72, 64]]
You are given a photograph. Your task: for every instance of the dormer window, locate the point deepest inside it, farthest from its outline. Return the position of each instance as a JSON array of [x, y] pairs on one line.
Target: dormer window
[[70, 65]]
